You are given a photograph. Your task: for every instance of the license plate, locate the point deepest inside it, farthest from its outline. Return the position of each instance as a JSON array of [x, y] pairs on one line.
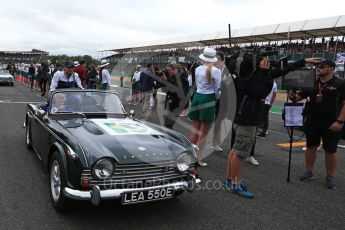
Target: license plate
[[147, 195]]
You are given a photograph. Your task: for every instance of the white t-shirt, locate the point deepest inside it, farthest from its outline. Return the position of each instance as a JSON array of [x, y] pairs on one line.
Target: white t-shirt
[[190, 80], [106, 77], [269, 97], [136, 76], [202, 85]]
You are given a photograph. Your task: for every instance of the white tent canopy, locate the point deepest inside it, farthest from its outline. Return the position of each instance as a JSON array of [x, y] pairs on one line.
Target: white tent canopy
[[322, 27]]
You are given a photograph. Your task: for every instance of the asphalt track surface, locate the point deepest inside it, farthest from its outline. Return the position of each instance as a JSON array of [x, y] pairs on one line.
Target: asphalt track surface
[[25, 204]]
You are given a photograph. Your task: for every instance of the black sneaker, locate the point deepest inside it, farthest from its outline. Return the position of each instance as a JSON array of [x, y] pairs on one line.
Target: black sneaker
[[307, 176], [262, 135], [330, 182]]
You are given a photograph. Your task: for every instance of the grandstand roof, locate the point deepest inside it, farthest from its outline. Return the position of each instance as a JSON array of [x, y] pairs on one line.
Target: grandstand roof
[[32, 52], [322, 27]]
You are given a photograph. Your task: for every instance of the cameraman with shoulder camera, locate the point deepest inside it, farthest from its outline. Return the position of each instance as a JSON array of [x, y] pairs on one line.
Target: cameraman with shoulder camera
[[325, 115], [253, 82]]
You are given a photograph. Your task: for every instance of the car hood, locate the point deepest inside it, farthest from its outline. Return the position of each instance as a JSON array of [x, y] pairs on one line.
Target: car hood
[[6, 76], [128, 141]]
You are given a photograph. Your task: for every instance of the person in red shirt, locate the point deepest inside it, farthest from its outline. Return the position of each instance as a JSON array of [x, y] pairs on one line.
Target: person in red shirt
[[81, 71]]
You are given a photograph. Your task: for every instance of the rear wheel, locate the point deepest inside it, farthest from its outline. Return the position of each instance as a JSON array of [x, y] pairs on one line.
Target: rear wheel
[[28, 135], [57, 183]]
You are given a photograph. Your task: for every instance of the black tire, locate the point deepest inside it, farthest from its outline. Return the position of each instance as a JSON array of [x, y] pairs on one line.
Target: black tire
[[28, 135], [57, 180], [178, 193]]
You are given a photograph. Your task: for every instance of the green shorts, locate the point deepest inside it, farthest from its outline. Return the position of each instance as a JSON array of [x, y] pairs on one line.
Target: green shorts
[[104, 86], [203, 107], [137, 85]]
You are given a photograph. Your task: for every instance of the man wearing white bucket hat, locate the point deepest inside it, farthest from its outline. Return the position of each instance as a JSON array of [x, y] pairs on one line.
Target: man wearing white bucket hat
[[202, 110]]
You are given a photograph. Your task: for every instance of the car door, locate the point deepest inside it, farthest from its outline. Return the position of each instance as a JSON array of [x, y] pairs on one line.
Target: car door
[[45, 137], [36, 128]]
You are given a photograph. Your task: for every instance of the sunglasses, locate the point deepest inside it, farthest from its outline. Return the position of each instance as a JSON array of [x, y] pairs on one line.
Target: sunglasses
[[323, 66], [69, 66]]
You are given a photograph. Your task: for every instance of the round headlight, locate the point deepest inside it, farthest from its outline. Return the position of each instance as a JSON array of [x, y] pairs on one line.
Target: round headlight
[[104, 168], [184, 161]]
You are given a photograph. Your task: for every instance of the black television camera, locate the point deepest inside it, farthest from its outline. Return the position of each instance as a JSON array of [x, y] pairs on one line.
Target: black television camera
[[245, 62]]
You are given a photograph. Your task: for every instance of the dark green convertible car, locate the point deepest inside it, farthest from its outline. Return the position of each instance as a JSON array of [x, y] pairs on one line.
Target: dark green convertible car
[[93, 150]]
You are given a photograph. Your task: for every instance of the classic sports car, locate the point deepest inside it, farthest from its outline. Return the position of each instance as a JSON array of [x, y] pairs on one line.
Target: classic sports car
[[94, 150], [6, 77]]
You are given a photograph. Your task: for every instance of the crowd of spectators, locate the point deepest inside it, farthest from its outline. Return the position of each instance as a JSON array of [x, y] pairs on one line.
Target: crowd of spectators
[[126, 62]]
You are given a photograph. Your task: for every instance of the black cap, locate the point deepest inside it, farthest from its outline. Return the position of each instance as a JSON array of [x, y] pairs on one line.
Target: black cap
[[69, 63], [327, 62]]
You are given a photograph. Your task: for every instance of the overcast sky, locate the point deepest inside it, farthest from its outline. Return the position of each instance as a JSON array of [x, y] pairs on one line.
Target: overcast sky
[[79, 27]]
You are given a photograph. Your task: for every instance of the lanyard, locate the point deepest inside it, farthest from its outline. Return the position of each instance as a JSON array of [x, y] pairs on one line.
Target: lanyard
[[321, 87]]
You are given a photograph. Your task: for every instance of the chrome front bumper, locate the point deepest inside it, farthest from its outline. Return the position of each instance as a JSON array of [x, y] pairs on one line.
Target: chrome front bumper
[[96, 195], [6, 81]]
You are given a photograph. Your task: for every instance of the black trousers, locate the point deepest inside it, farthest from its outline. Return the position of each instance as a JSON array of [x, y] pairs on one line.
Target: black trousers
[[43, 83], [265, 118]]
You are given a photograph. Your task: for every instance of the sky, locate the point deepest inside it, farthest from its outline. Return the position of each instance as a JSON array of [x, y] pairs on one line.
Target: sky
[[79, 27]]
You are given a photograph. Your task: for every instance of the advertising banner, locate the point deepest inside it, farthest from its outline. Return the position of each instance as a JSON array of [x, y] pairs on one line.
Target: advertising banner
[[339, 61]]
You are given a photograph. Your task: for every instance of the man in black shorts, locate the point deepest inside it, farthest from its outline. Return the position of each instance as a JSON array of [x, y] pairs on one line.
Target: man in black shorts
[[325, 115]]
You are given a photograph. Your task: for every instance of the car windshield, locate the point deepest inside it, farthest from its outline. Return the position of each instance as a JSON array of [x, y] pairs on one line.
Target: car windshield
[[85, 102], [4, 72]]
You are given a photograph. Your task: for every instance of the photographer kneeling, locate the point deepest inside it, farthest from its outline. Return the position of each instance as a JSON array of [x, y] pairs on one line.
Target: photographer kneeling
[[325, 115], [253, 84]]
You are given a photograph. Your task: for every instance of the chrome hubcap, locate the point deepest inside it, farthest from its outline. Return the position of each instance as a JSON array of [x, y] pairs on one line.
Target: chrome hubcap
[[55, 180]]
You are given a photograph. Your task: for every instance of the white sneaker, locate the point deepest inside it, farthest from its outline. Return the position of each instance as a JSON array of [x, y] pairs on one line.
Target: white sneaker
[[266, 133], [217, 148], [318, 148], [202, 164], [341, 146], [253, 161]]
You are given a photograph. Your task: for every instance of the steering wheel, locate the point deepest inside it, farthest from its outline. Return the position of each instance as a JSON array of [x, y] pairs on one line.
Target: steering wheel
[[70, 108]]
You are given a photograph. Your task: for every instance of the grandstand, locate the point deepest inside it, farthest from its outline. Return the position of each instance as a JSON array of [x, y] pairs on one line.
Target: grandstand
[[33, 56], [323, 37]]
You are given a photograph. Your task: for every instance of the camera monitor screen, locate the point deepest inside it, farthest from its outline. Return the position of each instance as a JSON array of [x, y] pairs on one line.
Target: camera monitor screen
[[299, 79], [293, 116]]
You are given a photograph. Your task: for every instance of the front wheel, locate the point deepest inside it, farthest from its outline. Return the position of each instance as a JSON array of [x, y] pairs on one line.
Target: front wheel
[[57, 183], [178, 193], [28, 135]]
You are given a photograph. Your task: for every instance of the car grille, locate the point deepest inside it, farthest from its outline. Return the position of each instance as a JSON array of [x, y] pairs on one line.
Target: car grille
[[138, 176], [6, 79]]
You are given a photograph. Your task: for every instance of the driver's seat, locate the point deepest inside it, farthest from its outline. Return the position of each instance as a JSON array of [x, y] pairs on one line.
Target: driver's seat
[[88, 104]]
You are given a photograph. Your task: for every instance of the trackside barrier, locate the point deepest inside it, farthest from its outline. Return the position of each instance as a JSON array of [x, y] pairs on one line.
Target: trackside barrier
[[22, 77]]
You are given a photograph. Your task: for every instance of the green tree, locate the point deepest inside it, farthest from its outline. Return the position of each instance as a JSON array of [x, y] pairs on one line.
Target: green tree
[[63, 58]]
